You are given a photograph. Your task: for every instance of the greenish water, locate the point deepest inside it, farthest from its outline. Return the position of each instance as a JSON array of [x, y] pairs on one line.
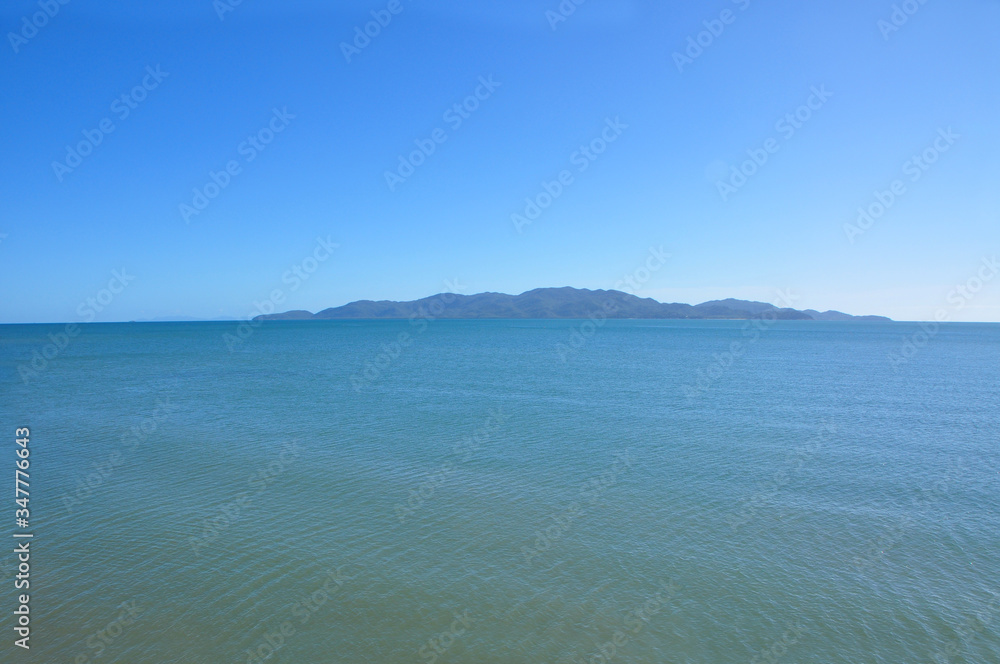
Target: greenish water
[[508, 491]]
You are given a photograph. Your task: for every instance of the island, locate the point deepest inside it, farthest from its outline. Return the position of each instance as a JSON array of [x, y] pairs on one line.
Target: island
[[566, 303]]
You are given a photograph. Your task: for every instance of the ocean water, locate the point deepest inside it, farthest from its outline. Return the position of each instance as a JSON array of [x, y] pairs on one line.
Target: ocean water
[[508, 492]]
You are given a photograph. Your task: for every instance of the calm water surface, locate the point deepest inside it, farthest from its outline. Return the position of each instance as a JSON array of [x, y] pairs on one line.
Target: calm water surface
[[508, 492]]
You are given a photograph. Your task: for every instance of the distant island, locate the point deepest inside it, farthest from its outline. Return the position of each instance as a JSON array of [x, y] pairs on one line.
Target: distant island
[[561, 303]]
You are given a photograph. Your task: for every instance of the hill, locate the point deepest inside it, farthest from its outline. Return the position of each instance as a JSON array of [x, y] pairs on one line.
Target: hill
[[559, 303]]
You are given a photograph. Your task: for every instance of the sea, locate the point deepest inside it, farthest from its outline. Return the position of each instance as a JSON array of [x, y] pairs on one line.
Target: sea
[[504, 492]]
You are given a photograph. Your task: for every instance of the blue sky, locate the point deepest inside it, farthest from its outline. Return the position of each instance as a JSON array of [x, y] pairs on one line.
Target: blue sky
[[555, 87]]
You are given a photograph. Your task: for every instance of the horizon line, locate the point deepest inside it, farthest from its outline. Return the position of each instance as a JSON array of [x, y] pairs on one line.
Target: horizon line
[[182, 318], [568, 318]]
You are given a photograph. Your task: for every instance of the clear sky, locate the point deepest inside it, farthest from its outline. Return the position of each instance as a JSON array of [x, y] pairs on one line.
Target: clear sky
[[201, 79]]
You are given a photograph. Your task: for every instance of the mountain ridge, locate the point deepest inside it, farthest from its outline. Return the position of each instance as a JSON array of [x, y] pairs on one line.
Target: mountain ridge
[[560, 303]]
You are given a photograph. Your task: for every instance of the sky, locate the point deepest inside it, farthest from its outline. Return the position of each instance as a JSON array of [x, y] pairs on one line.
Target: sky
[[212, 159]]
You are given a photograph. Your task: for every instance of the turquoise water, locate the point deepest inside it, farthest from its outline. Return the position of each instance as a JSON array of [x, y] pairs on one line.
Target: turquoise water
[[509, 491]]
